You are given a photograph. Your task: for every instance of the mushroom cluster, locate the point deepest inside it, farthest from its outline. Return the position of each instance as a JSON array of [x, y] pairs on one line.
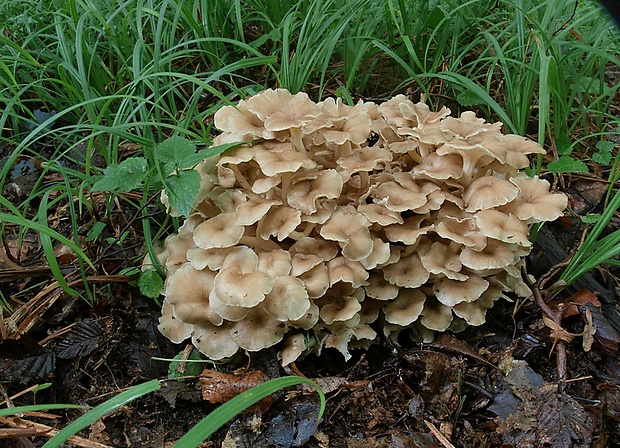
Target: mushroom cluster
[[344, 220]]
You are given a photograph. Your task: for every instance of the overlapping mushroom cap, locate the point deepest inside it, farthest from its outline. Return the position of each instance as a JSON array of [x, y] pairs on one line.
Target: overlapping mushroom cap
[[344, 218]]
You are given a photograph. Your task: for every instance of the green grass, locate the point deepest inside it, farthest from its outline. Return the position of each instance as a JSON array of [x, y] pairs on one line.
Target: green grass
[[195, 436]]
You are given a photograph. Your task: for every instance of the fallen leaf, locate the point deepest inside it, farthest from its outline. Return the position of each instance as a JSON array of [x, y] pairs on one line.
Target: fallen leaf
[[218, 387]]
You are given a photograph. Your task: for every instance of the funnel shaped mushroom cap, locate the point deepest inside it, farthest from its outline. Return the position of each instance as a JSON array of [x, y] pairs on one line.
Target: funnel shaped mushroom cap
[[406, 308], [171, 327], [238, 283], [452, 292], [408, 272], [294, 346], [504, 227], [488, 192], [436, 316], [534, 202], [288, 300], [258, 330], [215, 342], [350, 229], [188, 291], [218, 232], [495, 255], [304, 194], [341, 309], [235, 287]]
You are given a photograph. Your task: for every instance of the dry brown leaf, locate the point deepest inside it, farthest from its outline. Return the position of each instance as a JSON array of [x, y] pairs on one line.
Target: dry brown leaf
[[218, 387]]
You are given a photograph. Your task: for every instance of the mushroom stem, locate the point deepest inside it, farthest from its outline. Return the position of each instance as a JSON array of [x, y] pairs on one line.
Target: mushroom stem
[[364, 183], [258, 243], [307, 230], [208, 209], [296, 140], [286, 185], [240, 177]]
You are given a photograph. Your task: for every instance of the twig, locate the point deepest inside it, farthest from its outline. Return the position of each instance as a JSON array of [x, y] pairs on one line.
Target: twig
[[556, 318], [47, 431], [442, 439]]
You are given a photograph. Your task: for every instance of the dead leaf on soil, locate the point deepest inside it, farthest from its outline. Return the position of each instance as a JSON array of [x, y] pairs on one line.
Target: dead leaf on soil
[[24, 360], [218, 387], [533, 413], [81, 340]]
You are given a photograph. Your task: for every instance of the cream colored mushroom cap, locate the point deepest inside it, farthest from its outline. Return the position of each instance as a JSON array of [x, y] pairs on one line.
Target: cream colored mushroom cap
[[341, 309], [294, 346], [488, 192], [534, 202], [406, 308], [350, 229], [188, 291], [436, 316], [408, 272], [451, 292], [171, 327], [504, 227], [218, 232], [495, 255], [288, 300], [258, 330], [215, 341]]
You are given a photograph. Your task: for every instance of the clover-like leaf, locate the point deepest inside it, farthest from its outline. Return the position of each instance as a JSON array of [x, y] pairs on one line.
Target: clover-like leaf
[[566, 164]]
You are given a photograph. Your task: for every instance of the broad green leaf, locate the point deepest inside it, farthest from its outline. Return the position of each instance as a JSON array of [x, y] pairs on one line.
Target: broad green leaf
[[174, 150], [602, 157], [182, 189], [150, 283], [566, 164], [469, 98], [605, 145], [591, 218], [564, 144], [124, 177]]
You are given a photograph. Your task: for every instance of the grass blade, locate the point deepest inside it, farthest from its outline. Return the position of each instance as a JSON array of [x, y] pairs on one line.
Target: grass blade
[[221, 415], [101, 410], [37, 408]]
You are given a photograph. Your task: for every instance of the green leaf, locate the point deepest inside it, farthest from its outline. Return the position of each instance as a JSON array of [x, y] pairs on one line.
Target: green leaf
[[95, 231], [591, 218], [124, 177], [469, 98], [182, 189], [193, 365], [150, 283], [435, 17], [602, 157], [174, 150], [605, 145], [563, 144], [566, 164]]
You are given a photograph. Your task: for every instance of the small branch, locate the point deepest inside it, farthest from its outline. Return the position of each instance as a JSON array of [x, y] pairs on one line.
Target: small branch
[[560, 345]]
